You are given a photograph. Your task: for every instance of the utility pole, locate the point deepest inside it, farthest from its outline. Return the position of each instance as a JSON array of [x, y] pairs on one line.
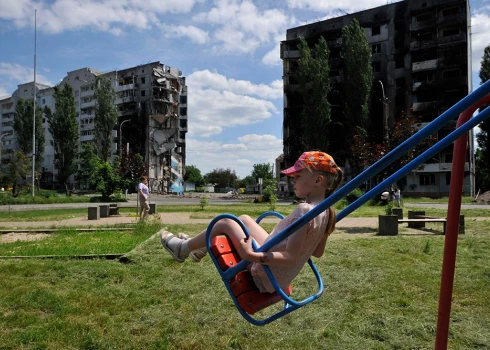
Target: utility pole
[[120, 137], [34, 120]]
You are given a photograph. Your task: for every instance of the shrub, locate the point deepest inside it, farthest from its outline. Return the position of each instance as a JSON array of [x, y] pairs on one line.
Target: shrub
[[204, 202], [354, 195], [389, 208]]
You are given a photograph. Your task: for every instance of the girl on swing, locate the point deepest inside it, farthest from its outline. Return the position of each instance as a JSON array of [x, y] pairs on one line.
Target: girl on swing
[[315, 176]]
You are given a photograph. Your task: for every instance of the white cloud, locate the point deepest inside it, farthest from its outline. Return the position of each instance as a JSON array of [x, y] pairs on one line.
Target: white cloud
[[199, 80], [330, 5], [273, 57], [3, 92], [480, 27], [110, 16], [251, 27], [15, 74], [197, 35], [250, 149], [212, 111]]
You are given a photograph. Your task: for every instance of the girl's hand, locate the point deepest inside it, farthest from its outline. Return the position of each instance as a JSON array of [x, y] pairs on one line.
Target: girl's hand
[[245, 248]]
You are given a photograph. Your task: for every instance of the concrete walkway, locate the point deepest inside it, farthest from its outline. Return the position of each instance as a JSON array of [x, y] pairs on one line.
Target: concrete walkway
[[166, 218]]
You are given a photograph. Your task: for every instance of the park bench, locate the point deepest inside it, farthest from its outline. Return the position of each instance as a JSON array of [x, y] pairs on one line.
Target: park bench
[[419, 219], [113, 209]]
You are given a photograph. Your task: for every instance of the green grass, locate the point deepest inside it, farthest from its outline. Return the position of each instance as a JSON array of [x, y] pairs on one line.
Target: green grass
[[381, 293], [70, 242]]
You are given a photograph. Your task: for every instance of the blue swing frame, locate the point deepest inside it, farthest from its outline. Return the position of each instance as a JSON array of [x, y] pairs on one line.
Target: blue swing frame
[[429, 129]]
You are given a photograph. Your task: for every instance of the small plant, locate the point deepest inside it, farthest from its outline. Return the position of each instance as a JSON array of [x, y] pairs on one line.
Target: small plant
[[272, 202], [389, 209], [427, 247], [204, 202]]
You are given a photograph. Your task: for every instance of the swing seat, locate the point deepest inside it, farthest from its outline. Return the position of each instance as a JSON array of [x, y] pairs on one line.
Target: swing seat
[[242, 285]]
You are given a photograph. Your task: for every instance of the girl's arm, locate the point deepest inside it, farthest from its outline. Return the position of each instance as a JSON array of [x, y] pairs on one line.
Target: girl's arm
[[284, 258], [320, 248]]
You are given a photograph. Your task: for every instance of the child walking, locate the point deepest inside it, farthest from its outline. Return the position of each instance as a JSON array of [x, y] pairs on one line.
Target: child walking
[[314, 176], [143, 194]]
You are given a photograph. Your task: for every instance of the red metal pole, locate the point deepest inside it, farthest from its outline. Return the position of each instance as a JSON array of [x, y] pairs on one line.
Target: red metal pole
[[452, 228]]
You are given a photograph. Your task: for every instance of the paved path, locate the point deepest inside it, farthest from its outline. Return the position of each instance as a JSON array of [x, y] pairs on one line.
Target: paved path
[[166, 218]]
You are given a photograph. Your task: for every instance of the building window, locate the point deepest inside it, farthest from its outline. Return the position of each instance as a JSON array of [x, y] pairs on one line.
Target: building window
[[450, 11], [376, 30], [399, 25], [427, 180], [448, 179], [399, 63], [376, 67], [453, 73], [450, 32], [424, 17], [376, 48], [142, 80], [44, 101], [143, 92], [400, 83], [448, 158]]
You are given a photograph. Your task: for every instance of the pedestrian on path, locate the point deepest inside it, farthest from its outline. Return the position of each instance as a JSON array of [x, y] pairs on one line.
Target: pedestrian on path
[[143, 194]]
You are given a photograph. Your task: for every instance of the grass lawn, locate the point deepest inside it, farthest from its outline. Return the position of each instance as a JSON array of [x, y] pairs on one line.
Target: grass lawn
[[381, 293], [70, 242]]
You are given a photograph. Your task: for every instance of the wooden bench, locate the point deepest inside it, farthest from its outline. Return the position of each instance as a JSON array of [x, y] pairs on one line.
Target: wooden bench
[[422, 219]]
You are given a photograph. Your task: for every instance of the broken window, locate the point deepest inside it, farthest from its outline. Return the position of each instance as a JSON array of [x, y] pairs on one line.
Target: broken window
[[143, 80], [376, 30], [376, 67], [449, 32], [376, 48], [143, 92], [399, 62], [453, 73]]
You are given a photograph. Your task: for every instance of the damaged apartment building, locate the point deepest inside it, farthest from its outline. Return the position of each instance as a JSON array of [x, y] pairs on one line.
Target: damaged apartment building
[[421, 61], [152, 119]]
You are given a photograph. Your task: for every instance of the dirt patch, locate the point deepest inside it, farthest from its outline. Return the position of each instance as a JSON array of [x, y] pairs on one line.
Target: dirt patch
[[483, 198], [21, 237]]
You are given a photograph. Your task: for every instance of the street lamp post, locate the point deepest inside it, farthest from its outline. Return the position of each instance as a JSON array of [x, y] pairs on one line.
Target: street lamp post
[[120, 136], [385, 113]]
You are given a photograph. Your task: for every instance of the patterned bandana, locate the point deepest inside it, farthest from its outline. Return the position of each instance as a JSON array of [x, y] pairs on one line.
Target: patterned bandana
[[314, 160]]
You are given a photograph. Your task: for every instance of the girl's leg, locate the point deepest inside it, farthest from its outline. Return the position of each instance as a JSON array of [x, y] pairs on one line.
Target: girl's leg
[[233, 230], [227, 227]]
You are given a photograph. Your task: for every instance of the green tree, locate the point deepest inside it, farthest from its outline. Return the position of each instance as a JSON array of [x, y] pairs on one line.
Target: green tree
[[63, 126], [105, 117], [357, 78], [263, 171], [23, 115], [193, 174], [131, 167], [18, 169], [221, 177], [89, 163], [482, 162], [314, 86]]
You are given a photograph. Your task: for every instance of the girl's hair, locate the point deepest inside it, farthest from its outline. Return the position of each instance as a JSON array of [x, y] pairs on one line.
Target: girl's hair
[[143, 178], [333, 182]]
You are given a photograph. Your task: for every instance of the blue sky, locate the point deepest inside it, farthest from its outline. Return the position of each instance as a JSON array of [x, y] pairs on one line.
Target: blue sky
[[227, 49]]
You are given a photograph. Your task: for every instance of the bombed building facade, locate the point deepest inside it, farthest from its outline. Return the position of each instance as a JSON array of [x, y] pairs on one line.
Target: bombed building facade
[[421, 61], [152, 119]]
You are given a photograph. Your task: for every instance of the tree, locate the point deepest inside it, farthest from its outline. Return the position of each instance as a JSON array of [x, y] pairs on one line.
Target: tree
[[365, 152], [23, 115], [357, 78], [221, 177], [263, 171], [63, 126], [193, 174], [131, 167], [89, 163], [18, 169], [105, 117], [314, 85], [482, 162]]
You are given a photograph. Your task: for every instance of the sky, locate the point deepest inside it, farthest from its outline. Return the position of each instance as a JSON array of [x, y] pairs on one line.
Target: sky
[[228, 50]]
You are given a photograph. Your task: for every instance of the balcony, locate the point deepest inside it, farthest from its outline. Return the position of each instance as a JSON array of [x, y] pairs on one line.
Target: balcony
[[125, 113], [442, 83], [120, 88], [452, 39], [424, 65], [423, 106], [291, 54], [87, 104], [87, 93], [124, 100]]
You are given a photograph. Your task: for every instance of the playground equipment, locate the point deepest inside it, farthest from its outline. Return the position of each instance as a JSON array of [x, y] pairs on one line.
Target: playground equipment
[[465, 109]]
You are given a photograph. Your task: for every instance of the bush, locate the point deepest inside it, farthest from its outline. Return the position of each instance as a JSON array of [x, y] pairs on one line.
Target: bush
[[354, 195], [204, 202]]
